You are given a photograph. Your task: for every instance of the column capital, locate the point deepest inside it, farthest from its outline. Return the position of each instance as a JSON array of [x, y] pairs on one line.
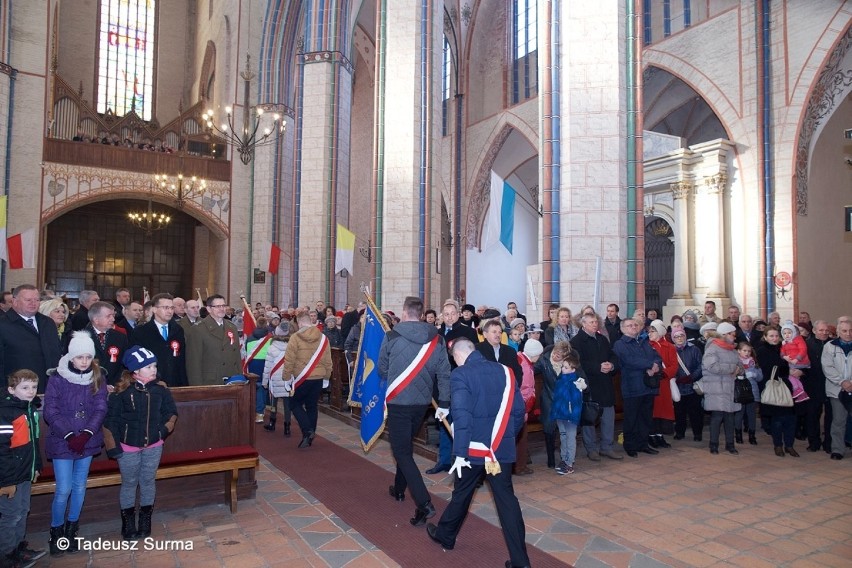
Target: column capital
[[681, 189], [716, 183]]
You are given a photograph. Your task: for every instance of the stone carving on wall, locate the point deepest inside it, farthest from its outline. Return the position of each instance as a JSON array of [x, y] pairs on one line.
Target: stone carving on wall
[[828, 92], [66, 187], [481, 194]]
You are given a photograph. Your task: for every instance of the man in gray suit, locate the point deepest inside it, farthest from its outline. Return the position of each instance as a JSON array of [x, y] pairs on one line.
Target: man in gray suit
[[213, 346]]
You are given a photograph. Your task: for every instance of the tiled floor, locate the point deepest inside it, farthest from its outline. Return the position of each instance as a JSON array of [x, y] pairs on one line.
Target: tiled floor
[[684, 507]]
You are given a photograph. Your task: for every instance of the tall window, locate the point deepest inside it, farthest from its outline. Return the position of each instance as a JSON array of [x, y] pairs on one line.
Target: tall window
[[126, 47], [446, 86], [524, 49]]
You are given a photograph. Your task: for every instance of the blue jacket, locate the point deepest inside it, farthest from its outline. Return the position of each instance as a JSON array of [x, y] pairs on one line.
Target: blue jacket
[[476, 395], [635, 357], [691, 357]]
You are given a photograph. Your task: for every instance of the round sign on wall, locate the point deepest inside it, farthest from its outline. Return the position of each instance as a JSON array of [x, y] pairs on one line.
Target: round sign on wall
[[783, 279]]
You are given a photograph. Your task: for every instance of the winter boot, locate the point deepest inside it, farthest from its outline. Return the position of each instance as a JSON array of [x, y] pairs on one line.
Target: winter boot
[[752, 439], [661, 441], [550, 448], [128, 523], [55, 534], [287, 429], [71, 528], [652, 441], [24, 555], [145, 513], [738, 436], [273, 416]]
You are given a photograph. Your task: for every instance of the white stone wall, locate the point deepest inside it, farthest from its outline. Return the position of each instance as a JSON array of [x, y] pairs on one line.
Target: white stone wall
[[593, 189]]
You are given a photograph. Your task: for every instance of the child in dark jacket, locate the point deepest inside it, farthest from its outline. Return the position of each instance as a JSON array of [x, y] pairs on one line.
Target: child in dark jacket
[[141, 413], [75, 405], [20, 464]]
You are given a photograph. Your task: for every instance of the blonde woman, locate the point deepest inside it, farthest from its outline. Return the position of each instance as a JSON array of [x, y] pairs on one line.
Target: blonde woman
[[56, 310]]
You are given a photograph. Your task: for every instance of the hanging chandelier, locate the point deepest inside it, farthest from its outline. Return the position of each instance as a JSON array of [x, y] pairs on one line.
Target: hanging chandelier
[[149, 221], [245, 137], [179, 188]]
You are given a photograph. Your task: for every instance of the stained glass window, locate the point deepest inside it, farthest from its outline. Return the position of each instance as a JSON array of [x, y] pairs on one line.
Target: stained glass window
[[126, 47], [524, 49]]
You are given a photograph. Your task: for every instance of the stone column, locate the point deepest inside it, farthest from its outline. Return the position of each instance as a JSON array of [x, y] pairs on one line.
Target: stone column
[[682, 190], [593, 187], [714, 216], [408, 135], [322, 198]]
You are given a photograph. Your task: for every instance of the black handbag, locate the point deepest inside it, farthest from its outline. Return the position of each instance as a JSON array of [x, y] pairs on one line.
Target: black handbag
[[742, 391], [652, 381], [591, 413]]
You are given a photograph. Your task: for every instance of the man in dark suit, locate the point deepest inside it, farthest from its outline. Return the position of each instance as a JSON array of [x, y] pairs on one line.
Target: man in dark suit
[[5, 303], [80, 319], [28, 339], [110, 342], [165, 338], [132, 314], [451, 330], [213, 348], [480, 401], [745, 331], [493, 350]]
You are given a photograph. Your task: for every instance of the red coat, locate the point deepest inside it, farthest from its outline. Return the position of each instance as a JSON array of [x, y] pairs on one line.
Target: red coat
[[663, 405]]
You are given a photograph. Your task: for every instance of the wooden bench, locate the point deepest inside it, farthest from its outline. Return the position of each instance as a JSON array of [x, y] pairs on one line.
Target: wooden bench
[[213, 460]]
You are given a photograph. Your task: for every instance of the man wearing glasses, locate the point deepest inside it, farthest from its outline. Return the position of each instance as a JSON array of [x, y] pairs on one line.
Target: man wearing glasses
[[165, 338], [213, 346]]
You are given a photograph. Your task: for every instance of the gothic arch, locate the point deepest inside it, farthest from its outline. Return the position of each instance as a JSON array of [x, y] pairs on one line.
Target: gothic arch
[[829, 88], [208, 72], [65, 188], [703, 87], [480, 194]]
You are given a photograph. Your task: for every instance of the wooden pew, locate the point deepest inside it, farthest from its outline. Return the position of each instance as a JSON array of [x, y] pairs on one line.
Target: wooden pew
[[213, 441]]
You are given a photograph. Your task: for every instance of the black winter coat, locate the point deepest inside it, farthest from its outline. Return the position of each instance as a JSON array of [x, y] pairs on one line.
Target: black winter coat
[[22, 347], [19, 454], [138, 416], [594, 351]]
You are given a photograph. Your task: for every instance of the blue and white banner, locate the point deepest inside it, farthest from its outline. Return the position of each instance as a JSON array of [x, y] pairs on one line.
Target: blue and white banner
[[368, 389], [501, 214]]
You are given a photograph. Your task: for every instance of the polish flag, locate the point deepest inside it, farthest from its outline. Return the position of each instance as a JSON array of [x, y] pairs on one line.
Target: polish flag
[[20, 250]]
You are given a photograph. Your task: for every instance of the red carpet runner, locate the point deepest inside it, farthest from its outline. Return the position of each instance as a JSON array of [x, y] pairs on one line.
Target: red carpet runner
[[346, 483]]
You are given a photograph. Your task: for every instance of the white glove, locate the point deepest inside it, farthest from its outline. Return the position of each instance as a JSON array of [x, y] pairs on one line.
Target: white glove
[[288, 385], [458, 465], [441, 413], [580, 384]]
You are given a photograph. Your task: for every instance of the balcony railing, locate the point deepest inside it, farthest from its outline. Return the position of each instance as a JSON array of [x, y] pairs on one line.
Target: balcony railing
[[134, 160]]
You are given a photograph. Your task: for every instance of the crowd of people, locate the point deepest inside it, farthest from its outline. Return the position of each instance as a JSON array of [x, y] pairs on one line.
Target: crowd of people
[[115, 140], [99, 368]]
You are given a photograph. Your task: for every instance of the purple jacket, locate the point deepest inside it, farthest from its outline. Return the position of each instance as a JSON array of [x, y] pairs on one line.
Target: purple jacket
[[70, 408]]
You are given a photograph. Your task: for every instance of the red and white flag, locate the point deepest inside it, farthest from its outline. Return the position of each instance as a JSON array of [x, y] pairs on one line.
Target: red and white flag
[[21, 250]]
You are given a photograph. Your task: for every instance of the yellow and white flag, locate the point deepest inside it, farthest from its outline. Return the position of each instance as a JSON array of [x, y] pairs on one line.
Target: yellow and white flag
[[345, 253]]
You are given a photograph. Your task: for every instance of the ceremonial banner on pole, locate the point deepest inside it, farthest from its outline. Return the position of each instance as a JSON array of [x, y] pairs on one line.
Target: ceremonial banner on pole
[[368, 389]]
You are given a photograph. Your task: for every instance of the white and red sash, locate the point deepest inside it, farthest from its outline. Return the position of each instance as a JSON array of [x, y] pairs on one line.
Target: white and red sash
[[479, 449], [257, 348], [277, 366], [312, 362], [405, 378]]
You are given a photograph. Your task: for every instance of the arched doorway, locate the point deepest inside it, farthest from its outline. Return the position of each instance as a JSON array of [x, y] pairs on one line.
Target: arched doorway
[[95, 247], [659, 263]]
